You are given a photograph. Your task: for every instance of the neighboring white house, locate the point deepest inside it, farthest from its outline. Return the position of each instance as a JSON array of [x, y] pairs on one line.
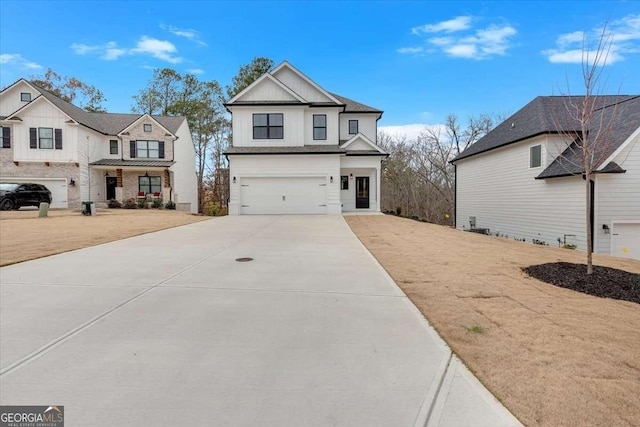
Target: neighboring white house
[[82, 156], [298, 149], [521, 179]]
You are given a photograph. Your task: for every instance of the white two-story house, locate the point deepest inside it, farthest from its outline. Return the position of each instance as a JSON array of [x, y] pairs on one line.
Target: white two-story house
[[298, 149], [82, 156]]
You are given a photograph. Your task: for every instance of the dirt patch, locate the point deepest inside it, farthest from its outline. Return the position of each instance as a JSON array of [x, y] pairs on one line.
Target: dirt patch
[[24, 236], [553, 356], [604, 282]]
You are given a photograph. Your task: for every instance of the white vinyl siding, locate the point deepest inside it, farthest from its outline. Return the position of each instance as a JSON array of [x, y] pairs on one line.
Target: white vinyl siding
[[267, 90], [10, 99], [618, 195], [501, 192], [366, 125], [300, 86], [293, 119]]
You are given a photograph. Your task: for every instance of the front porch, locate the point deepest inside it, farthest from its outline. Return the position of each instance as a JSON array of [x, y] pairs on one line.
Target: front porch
[[149, 181], [360, 189]]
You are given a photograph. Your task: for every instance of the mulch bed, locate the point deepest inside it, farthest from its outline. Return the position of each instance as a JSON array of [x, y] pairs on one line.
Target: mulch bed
[[604, 282]]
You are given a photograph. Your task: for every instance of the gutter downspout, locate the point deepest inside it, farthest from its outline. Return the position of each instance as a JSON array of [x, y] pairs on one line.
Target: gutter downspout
[[455, 195]]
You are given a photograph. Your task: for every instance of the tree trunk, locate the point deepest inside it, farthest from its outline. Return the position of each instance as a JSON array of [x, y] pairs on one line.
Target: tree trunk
[[588, 221]]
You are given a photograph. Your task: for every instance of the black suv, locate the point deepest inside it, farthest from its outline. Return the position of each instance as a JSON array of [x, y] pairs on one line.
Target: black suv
[[16, 195]]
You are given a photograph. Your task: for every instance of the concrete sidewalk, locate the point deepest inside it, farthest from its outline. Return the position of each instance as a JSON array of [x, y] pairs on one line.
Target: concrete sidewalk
[[169, 329]]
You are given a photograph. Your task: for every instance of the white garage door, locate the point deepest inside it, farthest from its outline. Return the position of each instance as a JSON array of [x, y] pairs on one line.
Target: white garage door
[[625, 240], [283, 195], [58, 188]]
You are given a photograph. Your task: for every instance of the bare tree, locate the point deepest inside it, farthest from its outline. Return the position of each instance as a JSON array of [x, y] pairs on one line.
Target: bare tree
[[587, 121]]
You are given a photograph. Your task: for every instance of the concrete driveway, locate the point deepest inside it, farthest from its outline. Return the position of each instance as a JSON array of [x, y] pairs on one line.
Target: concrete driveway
[[168, 329]]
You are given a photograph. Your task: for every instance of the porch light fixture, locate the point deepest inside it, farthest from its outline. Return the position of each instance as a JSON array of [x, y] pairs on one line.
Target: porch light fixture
[[606, 229], [350, 176], [72, 182], [146, 173], [234, 179], [106, 173], [331, 180]]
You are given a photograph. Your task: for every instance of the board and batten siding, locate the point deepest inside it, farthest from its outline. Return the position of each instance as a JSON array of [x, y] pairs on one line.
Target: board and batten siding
[[300, 86], [499, 189], [618, 195], [367, 125], [332, 126], [267, 90], [325, 165], [10, 99], [293, 123]]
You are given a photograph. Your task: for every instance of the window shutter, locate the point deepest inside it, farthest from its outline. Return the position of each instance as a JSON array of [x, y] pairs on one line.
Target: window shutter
[[161, 149], [132, 146], [58, 139], [6, 137], [33, 138]]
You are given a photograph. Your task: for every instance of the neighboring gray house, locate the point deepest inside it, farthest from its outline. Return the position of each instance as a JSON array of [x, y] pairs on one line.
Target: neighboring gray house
[[80, 155], [521, 179]]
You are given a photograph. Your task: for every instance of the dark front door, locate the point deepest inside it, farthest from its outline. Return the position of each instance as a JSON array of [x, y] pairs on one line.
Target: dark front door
[[112, 182], [362, 192]]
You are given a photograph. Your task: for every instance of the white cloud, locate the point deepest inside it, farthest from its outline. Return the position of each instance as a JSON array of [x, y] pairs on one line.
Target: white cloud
[[480, 43], [411, 131], [195, 71], [574, 47], [190, 34], [19, 60], [160, 49], [456, 24]]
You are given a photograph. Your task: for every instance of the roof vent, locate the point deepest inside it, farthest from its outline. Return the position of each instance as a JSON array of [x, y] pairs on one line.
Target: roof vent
[[513, 125]]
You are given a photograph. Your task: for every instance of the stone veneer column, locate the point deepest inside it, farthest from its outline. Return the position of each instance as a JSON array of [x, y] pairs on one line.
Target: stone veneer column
[[119, 189]]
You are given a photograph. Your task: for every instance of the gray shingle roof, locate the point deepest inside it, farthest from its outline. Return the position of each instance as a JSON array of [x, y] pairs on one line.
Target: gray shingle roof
[[537, 117], [146, 163], [106, 123], [352, 106], [624, 117]]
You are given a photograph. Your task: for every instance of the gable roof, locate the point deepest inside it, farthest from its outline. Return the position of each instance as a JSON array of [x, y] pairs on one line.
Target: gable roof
[[105, 123], [535, 118], [624, 117], [349, 105], [360, 137], [258, 81]]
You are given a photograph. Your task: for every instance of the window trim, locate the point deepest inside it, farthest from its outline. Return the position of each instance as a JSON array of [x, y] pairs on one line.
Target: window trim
[[150, 187], [5, 138], [344, 179], [22, 97], [111, 146], [319, 127], [40, 138], [268, 127], [147, 127], [349, 127], [531, 158], [146, 149]]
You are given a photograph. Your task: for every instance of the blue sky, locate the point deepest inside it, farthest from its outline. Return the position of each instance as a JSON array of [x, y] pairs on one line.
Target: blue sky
[[418, 61]]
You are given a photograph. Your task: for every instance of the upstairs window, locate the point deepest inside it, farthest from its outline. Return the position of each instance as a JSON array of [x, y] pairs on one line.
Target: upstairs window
[[535, 156], [147, 128], [319, 126], [45, 138], [25, 97], [268, 126], [353, 127], [5, 134], [148, 149], [113, 146]]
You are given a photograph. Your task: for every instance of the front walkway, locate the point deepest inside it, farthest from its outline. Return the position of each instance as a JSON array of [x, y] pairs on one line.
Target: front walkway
[[169, 329]]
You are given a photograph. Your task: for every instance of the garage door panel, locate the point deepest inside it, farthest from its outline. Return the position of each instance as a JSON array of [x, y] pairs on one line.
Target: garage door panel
[[58, 188], [283, 195], [625, 241]]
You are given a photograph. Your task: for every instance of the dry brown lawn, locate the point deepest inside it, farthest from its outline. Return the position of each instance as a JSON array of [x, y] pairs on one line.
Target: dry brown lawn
[[553, 356], [24, 236]]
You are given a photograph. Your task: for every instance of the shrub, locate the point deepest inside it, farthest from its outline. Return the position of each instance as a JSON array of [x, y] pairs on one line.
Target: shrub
[[157, 203], [569, 246], [114, 204], [170, 205], [398, 210], [142, 204], [130, 204]]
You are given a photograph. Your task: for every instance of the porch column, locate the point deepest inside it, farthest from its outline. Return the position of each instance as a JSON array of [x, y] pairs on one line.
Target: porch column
[[378, 188], [166, 187], [119, 186]]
